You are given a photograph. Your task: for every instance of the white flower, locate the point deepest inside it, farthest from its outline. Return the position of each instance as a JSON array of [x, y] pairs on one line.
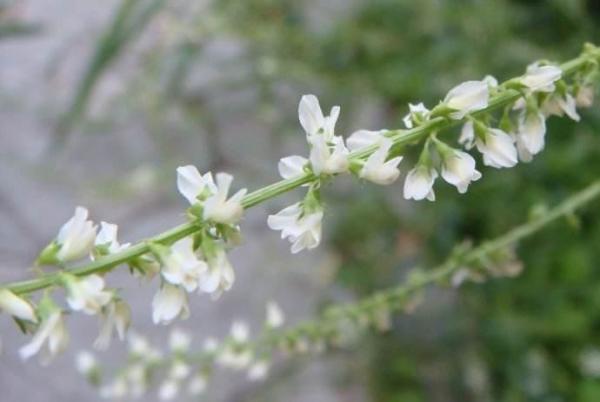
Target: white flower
[[115, 316], [560, 105], [364, 138], [179, 340], [303, 230], [168, 390], [275, 316], [52, 334], [16, 306], [107, 238], [585, 96], [191, 184], [498, 149], [237, 356], [258, 370], [292, 166], [179, 371], [137, 375], [140, 348], [419, 183], [312, 119], [531, 133], [76, 237], [235, 359], [220, 274], [417, 113], [458, 169], [169, 303], [117, 389], [467, 135], [240, 331], [197, 384], [328, 154], [377, 169], [182, 266], [541, 78], [467, 97], [328, 158], [86, 294], [210, 345], [218, 208], [85, 362]]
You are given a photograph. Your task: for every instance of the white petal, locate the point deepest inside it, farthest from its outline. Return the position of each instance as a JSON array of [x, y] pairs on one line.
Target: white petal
[[419, 182], [310, 114], [41, 336], [275, 316], [541, 78], [568, 105], [467, 135], [292, 166], [16, 306], [73, 224], [532, 131], [189, 182], [240, 331], [498, 149], [363, 138], [467, 97], [107, 234], [169, 302]]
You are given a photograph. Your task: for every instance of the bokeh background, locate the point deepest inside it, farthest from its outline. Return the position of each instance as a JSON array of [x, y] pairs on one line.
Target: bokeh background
[[101, 101]]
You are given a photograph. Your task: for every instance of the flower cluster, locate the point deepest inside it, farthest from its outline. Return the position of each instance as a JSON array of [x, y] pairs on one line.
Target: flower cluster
[[198, 262], [180, 370], [77, 238], [329, 155], [543, 93]]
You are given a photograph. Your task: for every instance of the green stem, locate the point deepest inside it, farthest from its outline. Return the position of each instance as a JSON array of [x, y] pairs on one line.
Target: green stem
[[399, 137], [442, 272]]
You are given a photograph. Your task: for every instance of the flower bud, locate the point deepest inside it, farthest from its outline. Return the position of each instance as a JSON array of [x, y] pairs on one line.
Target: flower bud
[[16, 306], [467, 97]]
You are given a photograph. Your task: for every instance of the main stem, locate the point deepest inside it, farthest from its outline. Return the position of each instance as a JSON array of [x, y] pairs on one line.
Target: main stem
[[504, 97]]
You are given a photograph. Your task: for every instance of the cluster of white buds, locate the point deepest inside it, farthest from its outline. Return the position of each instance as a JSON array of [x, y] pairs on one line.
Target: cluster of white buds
[[199, 262], [178, 369], [544, 94], [329, 155], [76, 239]]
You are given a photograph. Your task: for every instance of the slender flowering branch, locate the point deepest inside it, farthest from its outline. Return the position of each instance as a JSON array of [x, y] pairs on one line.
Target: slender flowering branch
[[505, 94], [193, 257], [238, 352], [396, 298]]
